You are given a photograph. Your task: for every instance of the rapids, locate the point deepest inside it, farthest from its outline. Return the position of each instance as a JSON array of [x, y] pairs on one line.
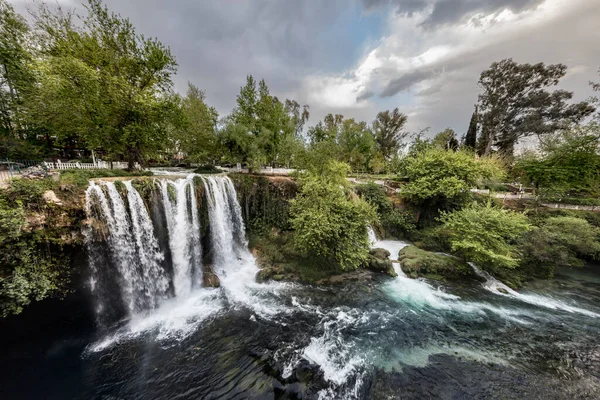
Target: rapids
[[159, 335]]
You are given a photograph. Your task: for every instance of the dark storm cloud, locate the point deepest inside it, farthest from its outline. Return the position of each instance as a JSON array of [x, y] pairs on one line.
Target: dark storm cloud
[[405, 7], [447, 12], [406, 81], [366, 94]]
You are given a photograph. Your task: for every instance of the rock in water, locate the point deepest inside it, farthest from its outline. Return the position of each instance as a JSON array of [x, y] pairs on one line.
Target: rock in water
[[379, 262]]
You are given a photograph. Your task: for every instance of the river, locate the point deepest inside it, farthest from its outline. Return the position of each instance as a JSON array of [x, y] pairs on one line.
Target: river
[[388, 338]]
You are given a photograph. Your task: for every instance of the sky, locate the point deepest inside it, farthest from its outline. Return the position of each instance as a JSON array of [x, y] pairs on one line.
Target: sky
[[359, 57]]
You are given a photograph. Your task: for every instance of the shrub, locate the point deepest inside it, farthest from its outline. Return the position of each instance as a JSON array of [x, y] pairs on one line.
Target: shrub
[[485, 235], [560, 241], [207, 169], [330, 224]]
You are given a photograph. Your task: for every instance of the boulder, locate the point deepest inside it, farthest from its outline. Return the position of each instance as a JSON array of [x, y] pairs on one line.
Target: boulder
[[209, 278], [51, 198], [379, 262], [417, 262]]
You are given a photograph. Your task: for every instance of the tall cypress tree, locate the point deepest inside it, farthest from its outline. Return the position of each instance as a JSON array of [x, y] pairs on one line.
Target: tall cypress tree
[[471, 137]]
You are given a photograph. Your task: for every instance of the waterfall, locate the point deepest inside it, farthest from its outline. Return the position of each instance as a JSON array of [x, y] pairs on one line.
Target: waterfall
[[372, 236], [135, 261], [133, 248], [184, 233], [227, 231]]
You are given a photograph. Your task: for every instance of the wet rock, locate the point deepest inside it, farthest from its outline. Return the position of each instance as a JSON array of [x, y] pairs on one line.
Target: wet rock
[[379, 262], [209, 278], [417, 262]]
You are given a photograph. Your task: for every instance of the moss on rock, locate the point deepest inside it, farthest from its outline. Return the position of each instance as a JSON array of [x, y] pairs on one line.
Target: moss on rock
[[379, 262], [416, 262]]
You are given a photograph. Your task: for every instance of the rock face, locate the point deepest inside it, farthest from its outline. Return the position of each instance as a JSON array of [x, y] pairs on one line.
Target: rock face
[[51, 198], [379, 262], [421, 263]]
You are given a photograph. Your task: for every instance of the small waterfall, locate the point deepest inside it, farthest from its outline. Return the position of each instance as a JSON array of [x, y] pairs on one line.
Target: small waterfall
[[184, 233], [372, 235], [492, 284], [497, 287]]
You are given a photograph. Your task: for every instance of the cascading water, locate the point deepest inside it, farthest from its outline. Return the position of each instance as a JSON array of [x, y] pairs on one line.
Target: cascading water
[[181, 211], [133, 248], [497, 287]]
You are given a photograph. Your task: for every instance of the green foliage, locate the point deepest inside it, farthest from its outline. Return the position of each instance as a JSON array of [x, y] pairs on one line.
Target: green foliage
[[395, 222], [330, 224], [560, 241], [570, 163], [196, 135], [29, 191], [388, 132], [485, 235], [101, 84], [31, 267], [471, 136], [436, 175], [446, 140]]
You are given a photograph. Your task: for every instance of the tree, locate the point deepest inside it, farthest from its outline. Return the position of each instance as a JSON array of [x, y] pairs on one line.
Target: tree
[[569, 162], [15, 76], [356, 143], [103, 84], [245, 112], [330, 224], [197, 135], [298, 114], [446, 140], [516, 103], [388, 131], [485, 235], [559, 242], [437, 177], [471, 136]]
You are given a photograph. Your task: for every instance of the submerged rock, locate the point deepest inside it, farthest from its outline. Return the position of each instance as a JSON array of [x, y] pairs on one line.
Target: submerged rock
[[416, 262], [379, 262]]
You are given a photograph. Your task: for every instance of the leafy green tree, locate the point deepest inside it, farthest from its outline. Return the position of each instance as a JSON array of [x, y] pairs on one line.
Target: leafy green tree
[[245, 112], [197, 137], [516, 103], [569, 162], [330, 224], [356, 143], [560, 242], [485, 235], [298, 114], [103, 84], [471, 136], [388, 131], [446, 140], [438, 177], [16, 78]]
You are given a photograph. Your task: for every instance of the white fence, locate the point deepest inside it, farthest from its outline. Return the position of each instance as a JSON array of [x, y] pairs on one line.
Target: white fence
[[76, 165]]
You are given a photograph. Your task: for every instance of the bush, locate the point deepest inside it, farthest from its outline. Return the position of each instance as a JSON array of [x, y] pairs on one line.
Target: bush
[[485, 235], [396, 222], [560, 241], [330, 224], [29, 191], [28, 269]]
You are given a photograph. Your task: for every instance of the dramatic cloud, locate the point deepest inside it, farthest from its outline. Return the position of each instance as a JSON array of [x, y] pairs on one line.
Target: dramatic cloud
[[358, 57]]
